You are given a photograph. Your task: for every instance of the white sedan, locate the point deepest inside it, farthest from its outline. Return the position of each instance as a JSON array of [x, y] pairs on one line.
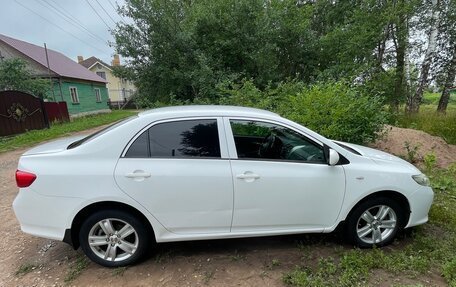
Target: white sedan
[[208, 172]]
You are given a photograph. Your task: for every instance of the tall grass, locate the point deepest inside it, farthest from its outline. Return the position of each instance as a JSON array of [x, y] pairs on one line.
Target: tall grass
[[428, 120], [60, 129]]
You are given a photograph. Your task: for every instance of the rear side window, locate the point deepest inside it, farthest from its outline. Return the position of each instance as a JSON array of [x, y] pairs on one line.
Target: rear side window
[[179, 139]]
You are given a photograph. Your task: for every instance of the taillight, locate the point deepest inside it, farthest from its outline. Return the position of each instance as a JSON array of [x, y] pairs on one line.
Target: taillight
[[24, 179]]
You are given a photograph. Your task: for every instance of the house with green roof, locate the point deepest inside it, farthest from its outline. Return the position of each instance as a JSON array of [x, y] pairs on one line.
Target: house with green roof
[[84, 91]]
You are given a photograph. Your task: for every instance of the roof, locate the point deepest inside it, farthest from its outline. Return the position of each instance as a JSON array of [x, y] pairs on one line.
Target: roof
[[208, 110], [58, 63], [90, 62]]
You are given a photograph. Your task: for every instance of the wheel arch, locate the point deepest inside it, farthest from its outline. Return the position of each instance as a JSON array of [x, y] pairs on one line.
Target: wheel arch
[[72, 235], [397, 196]]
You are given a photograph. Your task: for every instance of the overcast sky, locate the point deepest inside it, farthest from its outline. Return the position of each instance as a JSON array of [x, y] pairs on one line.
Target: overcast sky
[[62, 25]]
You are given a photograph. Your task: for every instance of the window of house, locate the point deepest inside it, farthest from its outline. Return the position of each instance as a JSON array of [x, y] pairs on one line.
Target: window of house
[[98, 95], [262, 140], [178, 139], [74, 95], [102, 74]]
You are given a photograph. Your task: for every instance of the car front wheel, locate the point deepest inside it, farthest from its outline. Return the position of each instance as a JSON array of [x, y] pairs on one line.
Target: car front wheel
[[375, 222], [113, 238]]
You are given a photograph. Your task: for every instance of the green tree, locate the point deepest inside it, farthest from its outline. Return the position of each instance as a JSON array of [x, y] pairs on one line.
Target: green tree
[[14, 75], [445, 63]]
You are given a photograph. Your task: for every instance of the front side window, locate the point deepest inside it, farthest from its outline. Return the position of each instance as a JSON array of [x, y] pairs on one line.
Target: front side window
[[178, 139], [261, 140], [74, 95]]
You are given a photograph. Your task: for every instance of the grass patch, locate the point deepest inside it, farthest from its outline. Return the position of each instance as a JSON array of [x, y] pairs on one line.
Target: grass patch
[[237, 256], [25, 268], [428, 248], [119, 271], [61, 129], [428, 120], [76, 269]]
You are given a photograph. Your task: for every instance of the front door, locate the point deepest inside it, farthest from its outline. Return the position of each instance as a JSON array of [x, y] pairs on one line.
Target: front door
[[176, 171], [281, 179]]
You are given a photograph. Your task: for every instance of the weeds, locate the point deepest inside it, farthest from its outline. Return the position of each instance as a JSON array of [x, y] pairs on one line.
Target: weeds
[[237, 256], [119, 271], [412, 151], [76, 269], [25, 268], [207, 276]]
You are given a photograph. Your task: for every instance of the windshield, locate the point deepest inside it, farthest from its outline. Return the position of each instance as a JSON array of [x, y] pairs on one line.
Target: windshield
[[100, 132]]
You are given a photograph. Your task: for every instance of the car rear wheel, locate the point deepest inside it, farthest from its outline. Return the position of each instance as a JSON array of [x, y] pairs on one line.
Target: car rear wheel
[[113, 238], [375, 222]]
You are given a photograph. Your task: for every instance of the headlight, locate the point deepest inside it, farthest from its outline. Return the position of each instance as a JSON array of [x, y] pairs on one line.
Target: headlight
[[421, 179]]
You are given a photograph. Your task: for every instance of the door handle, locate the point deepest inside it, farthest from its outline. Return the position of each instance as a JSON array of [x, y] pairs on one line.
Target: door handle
[[138, 174], [248, 176]]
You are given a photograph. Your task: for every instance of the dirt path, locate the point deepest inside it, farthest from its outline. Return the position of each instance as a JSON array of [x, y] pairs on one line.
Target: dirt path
[[239, 262]]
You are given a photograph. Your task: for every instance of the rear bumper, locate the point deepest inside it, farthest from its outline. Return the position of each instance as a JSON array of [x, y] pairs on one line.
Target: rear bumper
[[420, 204], [43, 216]]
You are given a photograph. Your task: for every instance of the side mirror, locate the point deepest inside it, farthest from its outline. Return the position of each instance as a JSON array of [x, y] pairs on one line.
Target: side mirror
[[333, 157]]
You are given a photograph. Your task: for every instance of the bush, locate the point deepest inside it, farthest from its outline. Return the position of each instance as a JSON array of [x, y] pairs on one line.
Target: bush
[[337, 111]]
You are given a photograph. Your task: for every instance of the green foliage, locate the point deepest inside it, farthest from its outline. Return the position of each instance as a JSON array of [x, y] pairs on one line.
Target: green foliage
[[60, 129], [411, 152], [335, 110], [449, 271], [25, 268], [76, 269], [187, 49], [432, 122], [430, 161], [15, 76]]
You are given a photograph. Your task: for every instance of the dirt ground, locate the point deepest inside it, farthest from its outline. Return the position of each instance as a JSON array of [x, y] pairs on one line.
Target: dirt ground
[[395, 139], [237, 262]]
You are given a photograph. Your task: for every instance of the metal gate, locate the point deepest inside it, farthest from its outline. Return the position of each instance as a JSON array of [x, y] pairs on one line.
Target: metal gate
[[20, 112]]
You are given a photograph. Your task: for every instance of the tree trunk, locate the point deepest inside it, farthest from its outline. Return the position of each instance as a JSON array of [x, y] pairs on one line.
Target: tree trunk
[[445, 97], [413, 104], [400, 45]]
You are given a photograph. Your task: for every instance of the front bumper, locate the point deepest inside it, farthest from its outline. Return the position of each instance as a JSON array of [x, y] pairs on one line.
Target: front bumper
[[420, 204]]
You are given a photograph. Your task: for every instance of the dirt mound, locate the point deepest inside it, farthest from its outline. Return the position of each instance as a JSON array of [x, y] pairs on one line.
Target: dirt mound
[[395, 140]]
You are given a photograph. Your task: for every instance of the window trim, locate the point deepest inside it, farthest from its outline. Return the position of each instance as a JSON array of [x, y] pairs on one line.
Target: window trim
[[232, 145], [99, 95], [77, 95], [223, 144]]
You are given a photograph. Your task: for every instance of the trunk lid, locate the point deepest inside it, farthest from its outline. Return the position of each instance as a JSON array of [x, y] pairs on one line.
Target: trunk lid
[[53, 146]]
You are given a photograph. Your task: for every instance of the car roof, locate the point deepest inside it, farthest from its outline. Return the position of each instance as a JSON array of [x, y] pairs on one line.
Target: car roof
[[207, 110]]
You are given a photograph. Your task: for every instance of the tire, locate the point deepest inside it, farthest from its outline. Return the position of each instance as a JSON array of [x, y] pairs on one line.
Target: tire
[[117, 238], [374, 222]]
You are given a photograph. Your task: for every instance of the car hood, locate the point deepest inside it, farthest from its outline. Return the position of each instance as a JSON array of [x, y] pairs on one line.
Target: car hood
[[53, 146], [379, 157]]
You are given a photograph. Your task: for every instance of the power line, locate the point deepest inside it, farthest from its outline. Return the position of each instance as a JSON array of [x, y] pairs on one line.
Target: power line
[[71, 21], [115, 9], [99, 16], [56, 26], [113, 21]]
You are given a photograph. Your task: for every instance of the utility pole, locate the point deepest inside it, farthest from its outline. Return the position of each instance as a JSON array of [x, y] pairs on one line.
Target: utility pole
[[49, 72]]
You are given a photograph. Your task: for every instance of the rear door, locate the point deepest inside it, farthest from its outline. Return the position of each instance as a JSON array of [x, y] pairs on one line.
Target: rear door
[[179, 171]]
